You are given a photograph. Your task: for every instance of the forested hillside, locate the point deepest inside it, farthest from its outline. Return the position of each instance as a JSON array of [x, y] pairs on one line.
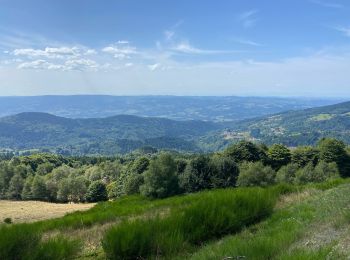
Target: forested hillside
[[112, 135], [294, 128]]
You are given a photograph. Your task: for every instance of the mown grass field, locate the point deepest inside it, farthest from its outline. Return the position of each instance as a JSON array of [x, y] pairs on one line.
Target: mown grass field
[[281, 222], [31, 211]]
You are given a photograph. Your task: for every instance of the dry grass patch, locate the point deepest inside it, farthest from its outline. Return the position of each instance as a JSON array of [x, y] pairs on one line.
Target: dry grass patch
[[295, 198], [31, 211]]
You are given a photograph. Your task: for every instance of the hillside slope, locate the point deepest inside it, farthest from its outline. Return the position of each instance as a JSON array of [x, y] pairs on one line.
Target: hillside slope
[[99, 135], [297, 127]]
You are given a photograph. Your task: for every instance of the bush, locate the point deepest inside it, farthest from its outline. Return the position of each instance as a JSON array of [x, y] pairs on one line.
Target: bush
[[160, 179], [217, 213], [96, 192], [287, 173], [245, 151], [278, 155], [133, 184], [255, 174], [305, 174], [8, 220], [197, 175]]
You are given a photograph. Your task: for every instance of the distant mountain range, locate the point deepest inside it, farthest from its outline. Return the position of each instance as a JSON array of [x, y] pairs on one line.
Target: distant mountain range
[[218, 109], [294, 128], [126, 133], [111, 135]]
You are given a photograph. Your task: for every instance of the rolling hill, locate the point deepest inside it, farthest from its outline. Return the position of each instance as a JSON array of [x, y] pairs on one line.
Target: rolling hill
[[117, 134], [219, 109], [294, 128]]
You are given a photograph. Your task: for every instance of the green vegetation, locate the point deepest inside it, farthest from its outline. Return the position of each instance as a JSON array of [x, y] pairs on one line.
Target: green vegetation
[[301, 127], [179, 202], [286, 233], [216, 214]]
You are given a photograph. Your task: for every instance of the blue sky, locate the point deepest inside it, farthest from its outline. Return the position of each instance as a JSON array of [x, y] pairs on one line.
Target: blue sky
[[183, 47]]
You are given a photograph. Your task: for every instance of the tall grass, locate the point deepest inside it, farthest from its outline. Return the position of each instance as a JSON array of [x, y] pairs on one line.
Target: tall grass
[[17, 240], [57, 248], [25, 242], [216, 214]]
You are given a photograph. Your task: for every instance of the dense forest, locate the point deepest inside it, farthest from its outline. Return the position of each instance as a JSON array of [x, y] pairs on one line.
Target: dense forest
[[57, 178]]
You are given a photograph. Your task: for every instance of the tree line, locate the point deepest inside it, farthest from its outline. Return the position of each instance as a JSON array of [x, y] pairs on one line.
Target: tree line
[[54, 178]]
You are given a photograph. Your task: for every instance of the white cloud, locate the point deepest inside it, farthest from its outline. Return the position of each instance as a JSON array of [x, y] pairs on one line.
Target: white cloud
[[69, 65], [129, 64], [48, 52], [169, 35], [187, 48], [247, 42], [121, 50], [153, 67], [80, 64], [248, 18], [344, 30], [36, 64], [90, 52], [327, 4]]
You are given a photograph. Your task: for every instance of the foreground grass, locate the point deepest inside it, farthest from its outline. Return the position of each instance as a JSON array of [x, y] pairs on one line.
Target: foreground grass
[[69, 236], [279, 236], [216, 214]]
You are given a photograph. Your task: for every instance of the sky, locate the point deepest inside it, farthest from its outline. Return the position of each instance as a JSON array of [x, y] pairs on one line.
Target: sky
[[183, 47]]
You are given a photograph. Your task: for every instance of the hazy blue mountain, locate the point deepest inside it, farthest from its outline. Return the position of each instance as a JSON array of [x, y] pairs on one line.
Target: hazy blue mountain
[[296, 127], [117, 134], [173, 107]]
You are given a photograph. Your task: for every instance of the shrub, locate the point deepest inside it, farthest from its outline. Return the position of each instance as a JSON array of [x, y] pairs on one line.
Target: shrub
[[160, 179], [96, 192], [255, 174], [8, 220], [245, 151], [303, 155], [278, 155], [133, 184], [325, 171], [305, 174], [287, 173], [197, 174]]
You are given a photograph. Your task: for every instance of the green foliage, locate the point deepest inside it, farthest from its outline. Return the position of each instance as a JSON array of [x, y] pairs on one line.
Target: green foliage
[[225, 172], [18, 241], [197, 174], [160, 179], [133, 184], [15, 187], [305, 174], [39, 191], [278, 156], [303, 155], [56, 248], [216, 214], [287, 173], [96, 192], [255, 174], [140, 165], [8, 220], [245, 151], [72, 189], [332, 150]]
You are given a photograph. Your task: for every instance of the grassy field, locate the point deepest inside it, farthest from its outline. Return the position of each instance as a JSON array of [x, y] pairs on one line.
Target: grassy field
[[282, 222], [30, 211]]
